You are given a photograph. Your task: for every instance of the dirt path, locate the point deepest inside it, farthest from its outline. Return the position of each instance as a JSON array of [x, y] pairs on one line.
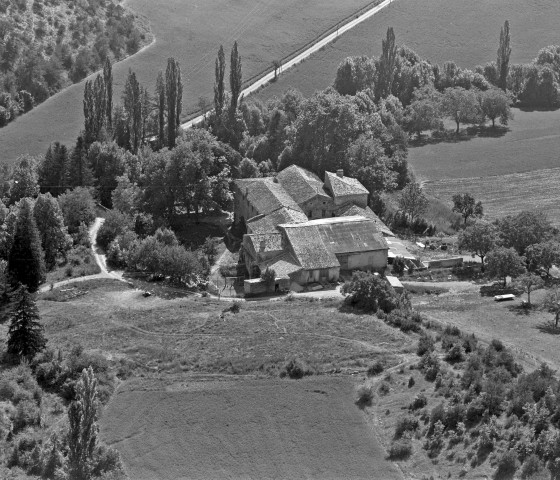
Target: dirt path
[[315, 47], [100, 259]]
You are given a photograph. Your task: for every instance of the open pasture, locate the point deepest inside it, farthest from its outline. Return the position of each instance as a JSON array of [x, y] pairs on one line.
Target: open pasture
[[465, 31], [251, 429], [194, 334], [191, 31], [506, 194]]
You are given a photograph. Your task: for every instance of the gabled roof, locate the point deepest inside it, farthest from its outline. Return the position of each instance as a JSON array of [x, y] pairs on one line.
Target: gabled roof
[[352, 210], [308, 247], [268, 223], [266, 195], [341, 186], [301, 184], [357, 235], [265, 243], [284, 265]]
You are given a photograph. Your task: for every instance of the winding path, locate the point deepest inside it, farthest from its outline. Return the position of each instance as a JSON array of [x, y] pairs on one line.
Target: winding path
[[100, 259], [315, 47]]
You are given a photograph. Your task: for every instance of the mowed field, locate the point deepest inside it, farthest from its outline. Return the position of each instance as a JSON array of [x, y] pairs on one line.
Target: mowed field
[[191, 31], [250, 429]]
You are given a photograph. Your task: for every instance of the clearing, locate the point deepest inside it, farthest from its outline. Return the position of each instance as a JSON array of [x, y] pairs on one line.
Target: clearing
[[251, 429], [466, 32], [191, 31]]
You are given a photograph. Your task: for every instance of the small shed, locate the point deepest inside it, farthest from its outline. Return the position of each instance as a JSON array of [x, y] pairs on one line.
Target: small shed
[[396, 284]]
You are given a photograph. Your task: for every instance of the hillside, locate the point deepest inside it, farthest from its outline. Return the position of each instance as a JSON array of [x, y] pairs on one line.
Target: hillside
[[46, 45]]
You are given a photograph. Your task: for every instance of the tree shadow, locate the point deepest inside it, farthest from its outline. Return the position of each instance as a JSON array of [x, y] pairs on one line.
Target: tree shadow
[[449, 136], [548, 327], [521, 309]]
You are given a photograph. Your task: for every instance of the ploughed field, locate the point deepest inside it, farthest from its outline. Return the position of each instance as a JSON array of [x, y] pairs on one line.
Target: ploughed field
[[191, 31], [251, 429]]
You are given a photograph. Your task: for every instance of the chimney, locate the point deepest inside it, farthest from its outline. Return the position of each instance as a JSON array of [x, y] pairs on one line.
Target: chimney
[[340, 173]]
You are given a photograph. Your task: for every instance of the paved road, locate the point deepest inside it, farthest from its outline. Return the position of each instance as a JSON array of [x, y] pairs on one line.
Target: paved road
[[302, 56]]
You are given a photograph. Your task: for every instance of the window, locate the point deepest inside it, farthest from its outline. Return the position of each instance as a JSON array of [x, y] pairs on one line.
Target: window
[[324, 212], [310, 215]]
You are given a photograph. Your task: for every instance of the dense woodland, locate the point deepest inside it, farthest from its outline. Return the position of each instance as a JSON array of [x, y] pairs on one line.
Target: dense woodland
[[46, 45]]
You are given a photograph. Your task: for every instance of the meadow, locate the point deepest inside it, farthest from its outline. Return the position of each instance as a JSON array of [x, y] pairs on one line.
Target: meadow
[[191, 31], [246, 428]]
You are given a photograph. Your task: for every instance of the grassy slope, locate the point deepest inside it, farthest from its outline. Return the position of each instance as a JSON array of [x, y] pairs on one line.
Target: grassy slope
[[249, 429], [190, 31]]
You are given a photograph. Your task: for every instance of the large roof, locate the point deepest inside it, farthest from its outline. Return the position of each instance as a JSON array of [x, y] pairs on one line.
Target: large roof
[[342, 186], [358, 235], [301, 184], [308, 247], [265, 243], [268, 223], [352, 210], [283, 265], [266, 195]]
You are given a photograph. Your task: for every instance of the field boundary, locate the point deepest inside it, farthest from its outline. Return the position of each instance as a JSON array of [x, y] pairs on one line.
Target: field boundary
[[195, 116]]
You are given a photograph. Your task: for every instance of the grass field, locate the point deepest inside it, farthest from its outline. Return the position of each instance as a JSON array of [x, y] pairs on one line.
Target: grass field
[[250, 429], [191, 31], [466, 31], [506, 194]]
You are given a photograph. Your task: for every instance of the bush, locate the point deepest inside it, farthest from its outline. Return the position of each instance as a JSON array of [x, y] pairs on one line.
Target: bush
[[455, 354], [296, 369], [425, 345], [430, 366], [420, 401], [507, 464], [364, 395], [369, 293], [405, 424], [400, 449], [411, 382], [375, 368], [114, 225], [27, 414], [532, 467], [398, 266]]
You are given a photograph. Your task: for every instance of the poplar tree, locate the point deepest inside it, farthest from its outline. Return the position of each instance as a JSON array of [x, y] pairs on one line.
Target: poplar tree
[[174, 93], [53, 169], [235, 78], [80, 173], [24, 180], [504, 52], [219, 87], [25, 334], [160, 95], [132, 102], [83, 431], [95, 109], [25, 260], [108, 79], [386, 66]]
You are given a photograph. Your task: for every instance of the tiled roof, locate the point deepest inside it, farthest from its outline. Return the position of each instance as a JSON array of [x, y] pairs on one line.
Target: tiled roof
[[342, 186], [351, 210], [264, 243], [301, 184], [308, 247], [284, 265], [266, 195], [268, 223], [354, 236]]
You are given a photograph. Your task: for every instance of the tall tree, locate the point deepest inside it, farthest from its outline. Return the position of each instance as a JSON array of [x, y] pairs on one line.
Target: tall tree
[[132, 102], [53, 233], [173, 92], [465, 204], [53, 169], [496, 104], [504, 52], [412, 201], [95, 109], [543, 255], [83, 431], [179, 104], [108, 79], [219, 86], [80, 173], [480, 239], [25, 260], [160, 95], [235, 78], [461, 105], [505, 262], [25, 334], [386, 66], [24, 179]]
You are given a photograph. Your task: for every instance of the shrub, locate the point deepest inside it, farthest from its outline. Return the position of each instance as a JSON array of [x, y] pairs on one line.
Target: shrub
[[455, 354], [369, 293], [295, 368], [405, 424], [419, 401], [425, 345], [430, 366], [532, 467], [385, 388], [411, 382], [115, 224], [375, 368], [27, 414], [400, 449], [364, 395], [398, 266], [507, 464]]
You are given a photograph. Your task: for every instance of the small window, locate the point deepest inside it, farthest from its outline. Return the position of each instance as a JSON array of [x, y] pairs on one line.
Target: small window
[[310, 215], [324, 212]]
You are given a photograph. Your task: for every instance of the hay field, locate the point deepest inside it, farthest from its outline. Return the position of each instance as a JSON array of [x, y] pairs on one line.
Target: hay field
[[250, 429], [191, 31], [466, 31], [506, 194]]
